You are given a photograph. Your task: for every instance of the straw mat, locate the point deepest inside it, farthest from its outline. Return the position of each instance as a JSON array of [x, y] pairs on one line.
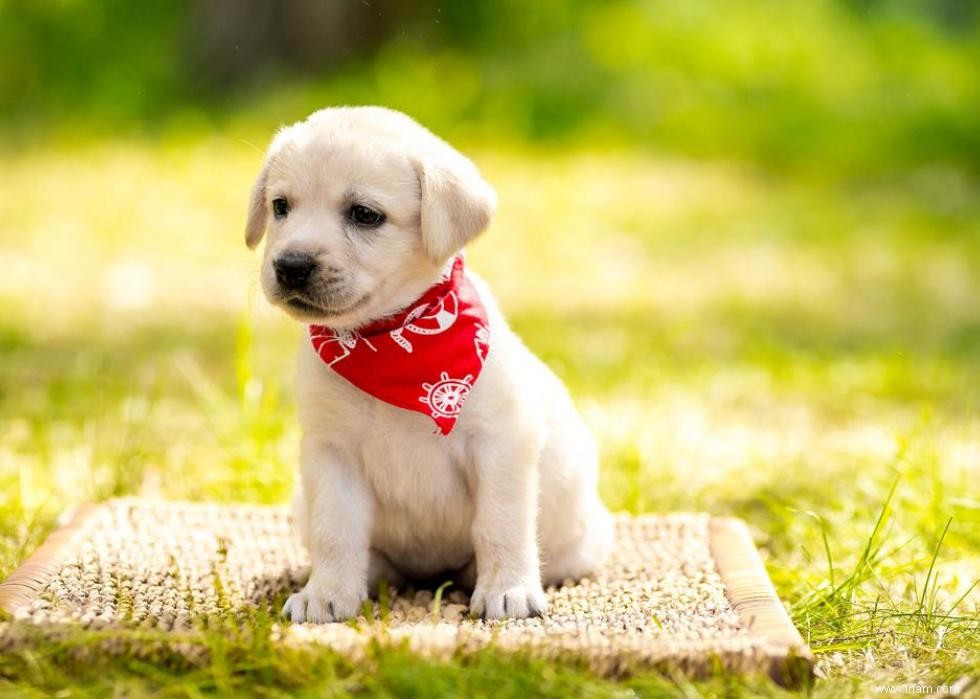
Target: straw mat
[[682, 593]]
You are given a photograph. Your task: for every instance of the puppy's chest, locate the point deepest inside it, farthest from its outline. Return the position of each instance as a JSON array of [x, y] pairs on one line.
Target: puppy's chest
[[412, 469], [400, 451], [423, 503]]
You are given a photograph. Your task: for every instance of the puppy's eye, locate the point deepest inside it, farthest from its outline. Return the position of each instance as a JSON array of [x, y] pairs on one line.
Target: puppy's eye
[[363, 216], [280, 207]]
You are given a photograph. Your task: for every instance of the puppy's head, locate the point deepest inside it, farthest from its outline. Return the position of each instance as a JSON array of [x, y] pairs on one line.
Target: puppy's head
[[362, 207]]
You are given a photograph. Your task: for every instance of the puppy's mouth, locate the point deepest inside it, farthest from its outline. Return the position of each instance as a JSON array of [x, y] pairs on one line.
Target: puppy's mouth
[[311, 310], [298, 304]]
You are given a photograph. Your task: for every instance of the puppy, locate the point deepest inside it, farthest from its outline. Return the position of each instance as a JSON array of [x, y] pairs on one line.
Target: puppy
[[366, 214]]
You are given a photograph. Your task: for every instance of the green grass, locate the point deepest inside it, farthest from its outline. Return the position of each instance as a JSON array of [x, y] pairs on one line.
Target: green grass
[[798, 351]]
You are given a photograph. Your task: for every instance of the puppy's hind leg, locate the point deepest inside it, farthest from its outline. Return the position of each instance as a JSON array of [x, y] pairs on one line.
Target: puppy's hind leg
[[583, 556], [576, 529]]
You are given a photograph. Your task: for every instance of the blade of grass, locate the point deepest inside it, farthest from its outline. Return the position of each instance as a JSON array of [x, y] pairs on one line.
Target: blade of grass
[[437, 600]]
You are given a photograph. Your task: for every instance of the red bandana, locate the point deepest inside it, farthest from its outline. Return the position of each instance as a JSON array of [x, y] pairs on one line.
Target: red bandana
[[425, 358]]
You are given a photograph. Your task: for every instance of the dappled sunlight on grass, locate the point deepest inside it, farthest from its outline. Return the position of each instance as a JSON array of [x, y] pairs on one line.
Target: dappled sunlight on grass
[[163, 227]]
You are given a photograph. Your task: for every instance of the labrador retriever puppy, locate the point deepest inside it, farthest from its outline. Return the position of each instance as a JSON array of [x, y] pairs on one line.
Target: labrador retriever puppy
[[366, 214]]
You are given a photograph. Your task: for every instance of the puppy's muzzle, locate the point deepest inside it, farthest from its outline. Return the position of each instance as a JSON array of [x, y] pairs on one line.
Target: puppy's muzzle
[[293, 270]]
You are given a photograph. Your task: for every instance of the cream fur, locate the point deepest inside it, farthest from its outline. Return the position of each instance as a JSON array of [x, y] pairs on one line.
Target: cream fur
[[505, 502]]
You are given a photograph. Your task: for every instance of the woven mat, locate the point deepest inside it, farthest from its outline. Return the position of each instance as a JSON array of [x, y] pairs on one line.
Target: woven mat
[[682, 593]]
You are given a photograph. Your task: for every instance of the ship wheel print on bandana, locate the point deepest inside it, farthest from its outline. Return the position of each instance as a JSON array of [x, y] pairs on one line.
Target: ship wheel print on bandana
[[445, 397]]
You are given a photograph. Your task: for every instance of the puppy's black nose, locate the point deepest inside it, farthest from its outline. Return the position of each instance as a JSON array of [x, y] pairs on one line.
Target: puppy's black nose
[[293, 270]]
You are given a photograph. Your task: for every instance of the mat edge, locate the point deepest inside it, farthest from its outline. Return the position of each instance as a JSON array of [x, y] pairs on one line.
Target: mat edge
[[751, 593], [26, 581]]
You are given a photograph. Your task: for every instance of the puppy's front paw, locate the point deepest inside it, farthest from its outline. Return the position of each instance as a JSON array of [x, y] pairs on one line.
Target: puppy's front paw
[[519, 601], [318, 604]]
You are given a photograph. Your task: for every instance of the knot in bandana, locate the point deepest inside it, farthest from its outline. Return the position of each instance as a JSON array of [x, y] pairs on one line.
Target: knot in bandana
[[425, 358]]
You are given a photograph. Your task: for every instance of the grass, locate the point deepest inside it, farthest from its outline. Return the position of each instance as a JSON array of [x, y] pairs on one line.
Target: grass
[[796, 350]]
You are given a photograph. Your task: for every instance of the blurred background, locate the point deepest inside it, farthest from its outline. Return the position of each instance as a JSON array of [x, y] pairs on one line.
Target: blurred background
[[745, 233], [856, 85]]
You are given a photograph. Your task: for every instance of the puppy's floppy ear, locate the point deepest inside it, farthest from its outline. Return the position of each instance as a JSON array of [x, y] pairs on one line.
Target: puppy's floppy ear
[[258, 210], [457, 204]]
